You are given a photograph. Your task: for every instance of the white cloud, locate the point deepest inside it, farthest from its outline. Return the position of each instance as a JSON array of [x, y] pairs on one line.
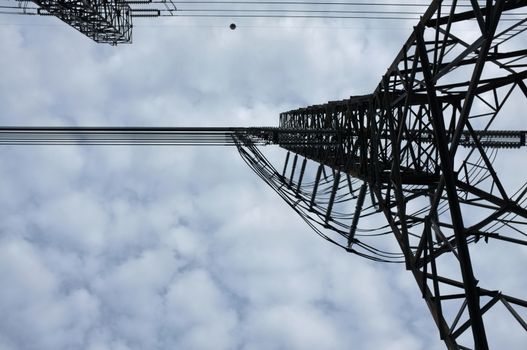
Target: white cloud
[[38, 313], [198, 315], [286, 326]]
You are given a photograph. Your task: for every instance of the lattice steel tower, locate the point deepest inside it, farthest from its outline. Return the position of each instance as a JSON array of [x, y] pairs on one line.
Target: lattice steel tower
[[423, 146], [420, 152]]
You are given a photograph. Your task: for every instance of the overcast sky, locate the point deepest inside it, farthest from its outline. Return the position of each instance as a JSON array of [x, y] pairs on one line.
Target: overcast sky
[[183, 248]]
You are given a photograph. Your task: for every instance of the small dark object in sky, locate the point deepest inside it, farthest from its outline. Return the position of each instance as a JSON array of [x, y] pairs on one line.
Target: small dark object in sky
[[232, 26]]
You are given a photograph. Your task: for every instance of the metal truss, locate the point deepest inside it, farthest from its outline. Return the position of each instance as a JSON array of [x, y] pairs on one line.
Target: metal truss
[[421, 152], [104, 21]]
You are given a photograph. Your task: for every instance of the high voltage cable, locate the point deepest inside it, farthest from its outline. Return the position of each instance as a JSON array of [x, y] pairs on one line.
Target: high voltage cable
[[144, 136], [297, 11], [263, 168], [274, 3], [322, 16], [117, 136], [254, 10], [287, 16], [237, 15], [259, 12], [146, 15], [295, 3]]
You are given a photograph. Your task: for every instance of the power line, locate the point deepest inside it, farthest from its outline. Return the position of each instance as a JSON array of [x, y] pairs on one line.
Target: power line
[[337, 3], [287, 16], [299, 11], [153, 135], [278, 10]]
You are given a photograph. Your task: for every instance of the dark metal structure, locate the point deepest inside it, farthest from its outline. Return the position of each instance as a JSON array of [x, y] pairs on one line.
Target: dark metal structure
[[422, 147], [419, 154], [104, 21]]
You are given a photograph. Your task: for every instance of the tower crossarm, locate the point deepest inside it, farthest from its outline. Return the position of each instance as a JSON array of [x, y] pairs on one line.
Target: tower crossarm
[[350, 148], [104, 21]]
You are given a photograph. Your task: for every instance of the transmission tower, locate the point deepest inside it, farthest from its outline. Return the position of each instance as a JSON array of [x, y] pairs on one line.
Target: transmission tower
[[420, 152], [422, 146]]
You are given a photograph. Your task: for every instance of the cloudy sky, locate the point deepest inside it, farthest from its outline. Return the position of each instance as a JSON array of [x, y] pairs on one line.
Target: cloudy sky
[[183, 248]]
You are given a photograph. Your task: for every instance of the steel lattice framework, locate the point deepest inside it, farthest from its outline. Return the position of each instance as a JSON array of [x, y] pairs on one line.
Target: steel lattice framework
[[420, 152], [104, 21], [101, 20], [444, 90]]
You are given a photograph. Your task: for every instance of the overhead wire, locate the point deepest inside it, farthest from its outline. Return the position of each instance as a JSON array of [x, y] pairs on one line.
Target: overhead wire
[[278, 9], [115, 136], [261, 166], [289, 2]]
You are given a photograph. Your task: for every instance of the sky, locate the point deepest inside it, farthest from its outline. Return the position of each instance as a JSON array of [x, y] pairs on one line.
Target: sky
[[183, 248]]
